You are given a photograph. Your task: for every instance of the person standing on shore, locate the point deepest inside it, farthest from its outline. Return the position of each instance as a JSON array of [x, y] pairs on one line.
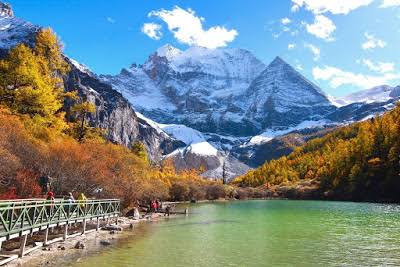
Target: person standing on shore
[[158, 205], [71, 201], [167, 210], [82, 201], [50, 199], [153, 206]]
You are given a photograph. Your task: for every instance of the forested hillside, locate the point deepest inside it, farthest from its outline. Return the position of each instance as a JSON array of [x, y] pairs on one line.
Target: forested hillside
[[359, 162], [37, 140]]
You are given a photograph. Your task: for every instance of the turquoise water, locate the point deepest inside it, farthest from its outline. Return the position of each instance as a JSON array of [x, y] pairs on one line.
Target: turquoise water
[[265, 233]]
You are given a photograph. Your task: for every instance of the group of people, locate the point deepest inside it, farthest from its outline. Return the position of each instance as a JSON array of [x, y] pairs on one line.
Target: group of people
[[70, 199], [157, 206]]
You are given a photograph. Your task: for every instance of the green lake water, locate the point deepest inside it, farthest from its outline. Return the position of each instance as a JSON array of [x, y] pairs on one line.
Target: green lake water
[[264, 233]]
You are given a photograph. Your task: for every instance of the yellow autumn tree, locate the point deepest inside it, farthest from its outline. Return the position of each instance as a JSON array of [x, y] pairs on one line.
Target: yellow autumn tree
[[31, 82]]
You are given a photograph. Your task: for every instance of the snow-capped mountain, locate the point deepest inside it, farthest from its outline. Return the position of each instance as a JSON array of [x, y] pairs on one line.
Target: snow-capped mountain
[[224, 103], [197, 87], [222, 91]]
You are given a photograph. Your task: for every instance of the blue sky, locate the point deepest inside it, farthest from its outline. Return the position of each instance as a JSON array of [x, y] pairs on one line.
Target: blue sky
[[341, 45]]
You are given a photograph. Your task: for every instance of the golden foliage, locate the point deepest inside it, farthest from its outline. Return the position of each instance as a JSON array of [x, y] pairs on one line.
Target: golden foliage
[[360, 161]]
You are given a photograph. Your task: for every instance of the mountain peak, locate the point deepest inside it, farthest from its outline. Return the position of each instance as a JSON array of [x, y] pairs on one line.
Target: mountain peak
[[6, 10], [168, 51], [278, 61]]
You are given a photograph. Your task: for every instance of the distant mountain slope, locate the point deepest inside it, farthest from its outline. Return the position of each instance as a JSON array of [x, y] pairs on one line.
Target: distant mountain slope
[[382, 93]]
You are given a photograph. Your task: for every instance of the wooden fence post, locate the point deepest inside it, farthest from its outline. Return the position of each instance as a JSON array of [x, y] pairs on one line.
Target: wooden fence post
[[46, 236], [22, 246], [84, 226], [65, 235]]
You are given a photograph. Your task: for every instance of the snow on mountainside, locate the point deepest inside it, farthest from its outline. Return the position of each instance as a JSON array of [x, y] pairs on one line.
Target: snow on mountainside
[[80, 66], [196, 87], [140, 90], [14, 30], [221, 91], [281, 96], [270, 134], [376, 94], [232, 63], [195, 140], [198, 153], [168, 51]]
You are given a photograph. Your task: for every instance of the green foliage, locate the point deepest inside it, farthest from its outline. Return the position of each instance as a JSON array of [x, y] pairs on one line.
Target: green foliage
[[81, 129], [139, 149], [360, 161]]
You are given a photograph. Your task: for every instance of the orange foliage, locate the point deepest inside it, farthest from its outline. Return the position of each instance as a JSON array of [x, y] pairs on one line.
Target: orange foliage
[[101, 170]]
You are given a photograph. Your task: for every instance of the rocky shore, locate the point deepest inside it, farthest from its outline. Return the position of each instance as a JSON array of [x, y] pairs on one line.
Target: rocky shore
[[73, 249]]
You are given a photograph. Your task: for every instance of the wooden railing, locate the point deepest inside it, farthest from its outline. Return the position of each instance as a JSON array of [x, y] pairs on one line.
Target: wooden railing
[[21, 217], [24, 215]]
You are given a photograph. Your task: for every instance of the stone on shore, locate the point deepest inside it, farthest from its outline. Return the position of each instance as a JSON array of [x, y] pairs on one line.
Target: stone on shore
[[112, 227], [133, 213], [79, 245], [105, 242]]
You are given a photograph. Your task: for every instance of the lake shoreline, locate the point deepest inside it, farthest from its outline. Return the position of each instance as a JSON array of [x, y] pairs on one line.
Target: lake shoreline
[[280, 232], [64, 252]]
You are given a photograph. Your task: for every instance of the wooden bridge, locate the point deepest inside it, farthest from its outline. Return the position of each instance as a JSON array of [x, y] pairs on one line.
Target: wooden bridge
[[22, 218]]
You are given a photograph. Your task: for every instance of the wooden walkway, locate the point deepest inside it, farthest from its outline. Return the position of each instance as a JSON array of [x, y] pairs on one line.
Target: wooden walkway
[[20, 218]]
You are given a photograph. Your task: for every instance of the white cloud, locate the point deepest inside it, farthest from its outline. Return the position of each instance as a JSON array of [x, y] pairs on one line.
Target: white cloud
[[291, 46], [314, 50], [390, 3], [187, 28], [285, 21], [111, 20], [337, 77], [333, 6], [153, 30], [295, 8], [322, 27], [372, 42], [382, 67]]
